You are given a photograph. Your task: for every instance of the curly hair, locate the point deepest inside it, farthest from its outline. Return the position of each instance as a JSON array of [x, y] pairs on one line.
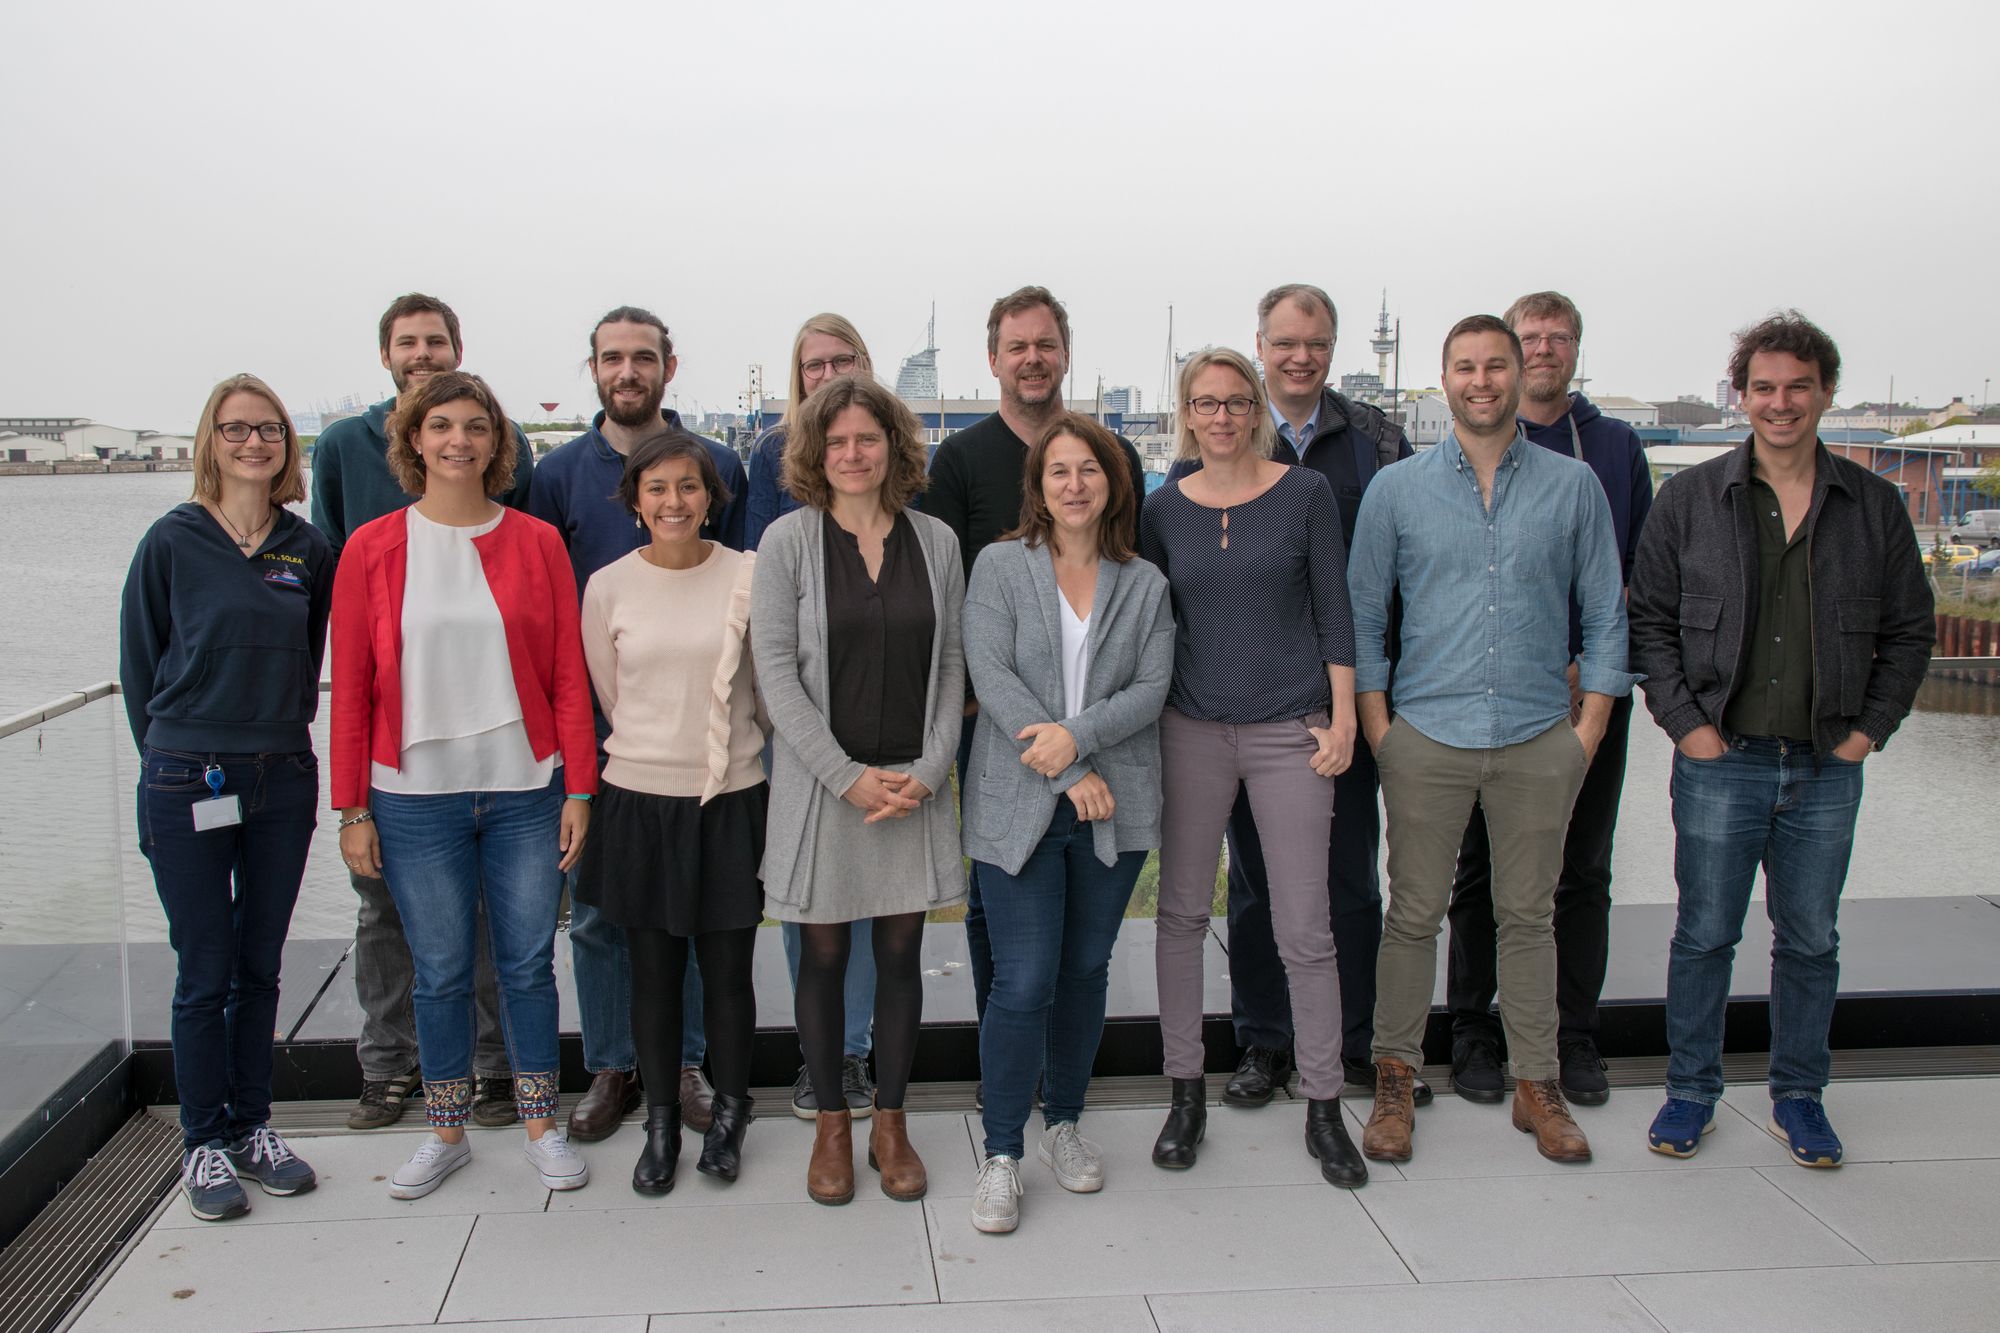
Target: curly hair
[[406, 464], [1789, 332], [805, 449]]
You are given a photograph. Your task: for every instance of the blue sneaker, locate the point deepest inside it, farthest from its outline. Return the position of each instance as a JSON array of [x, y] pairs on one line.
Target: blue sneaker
[[213, 1192], [266, 1159], [1678, 1128], [1801, 1123]]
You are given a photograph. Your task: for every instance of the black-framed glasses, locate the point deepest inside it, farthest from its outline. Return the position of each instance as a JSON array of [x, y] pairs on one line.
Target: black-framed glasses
[[1556, 342], [1208, 407], [271, 432], [839, 365]]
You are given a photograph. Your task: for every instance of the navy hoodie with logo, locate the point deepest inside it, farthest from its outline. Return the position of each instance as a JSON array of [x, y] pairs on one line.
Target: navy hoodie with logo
[[1613, 451], [219, 653]]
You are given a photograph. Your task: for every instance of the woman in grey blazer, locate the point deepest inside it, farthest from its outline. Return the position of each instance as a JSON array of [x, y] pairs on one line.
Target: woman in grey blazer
[[1070, 641], [855, 616]]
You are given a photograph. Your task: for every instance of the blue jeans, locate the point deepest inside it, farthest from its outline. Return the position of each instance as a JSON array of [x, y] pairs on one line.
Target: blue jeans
[[603, 966], [228, 895], [978, 945], [1052, 927], [439, 855], [1764, 802], [859, 991]]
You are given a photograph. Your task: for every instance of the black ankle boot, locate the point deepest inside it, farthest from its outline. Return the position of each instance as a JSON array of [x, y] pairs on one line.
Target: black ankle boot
[[1187, 1124], [1327, 1141], [661, 1156], [722, 1144]]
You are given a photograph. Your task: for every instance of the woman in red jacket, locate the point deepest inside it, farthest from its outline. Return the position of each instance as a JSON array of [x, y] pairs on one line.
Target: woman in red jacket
[[464, 757]]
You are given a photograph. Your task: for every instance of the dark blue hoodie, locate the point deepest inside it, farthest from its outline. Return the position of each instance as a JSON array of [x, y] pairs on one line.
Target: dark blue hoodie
[[1612, 449], [219, 654]]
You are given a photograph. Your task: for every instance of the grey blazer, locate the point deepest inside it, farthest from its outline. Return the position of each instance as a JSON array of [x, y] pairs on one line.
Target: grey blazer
[[809, 769], [1013, 648]]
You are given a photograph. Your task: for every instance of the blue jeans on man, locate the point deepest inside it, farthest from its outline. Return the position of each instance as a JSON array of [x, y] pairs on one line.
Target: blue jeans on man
[[1770, 803], [1053, 926]]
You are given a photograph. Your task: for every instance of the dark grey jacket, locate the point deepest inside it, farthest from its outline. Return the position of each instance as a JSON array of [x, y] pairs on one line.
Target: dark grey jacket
[[1694, 599]]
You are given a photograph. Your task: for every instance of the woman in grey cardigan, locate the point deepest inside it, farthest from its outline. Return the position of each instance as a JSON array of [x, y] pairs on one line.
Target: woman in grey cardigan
[[855, 613], [1070, 642]]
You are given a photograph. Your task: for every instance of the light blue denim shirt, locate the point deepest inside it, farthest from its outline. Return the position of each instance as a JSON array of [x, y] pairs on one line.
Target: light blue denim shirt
[[1486, 593], [1300, 440]]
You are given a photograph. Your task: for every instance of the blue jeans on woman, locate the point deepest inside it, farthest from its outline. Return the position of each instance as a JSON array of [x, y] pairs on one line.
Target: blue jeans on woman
[[1052, 927], [228, 894], [1763, 802], [439, 853]]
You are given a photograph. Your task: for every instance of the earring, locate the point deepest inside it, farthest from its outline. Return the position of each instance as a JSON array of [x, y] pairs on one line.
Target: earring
[[638, 523]]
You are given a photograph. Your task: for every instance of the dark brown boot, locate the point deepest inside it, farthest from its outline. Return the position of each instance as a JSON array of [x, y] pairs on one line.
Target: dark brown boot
[[830, 1175], [889, 1152], [1393, 1123], [599, 1112], [1539, 1109]]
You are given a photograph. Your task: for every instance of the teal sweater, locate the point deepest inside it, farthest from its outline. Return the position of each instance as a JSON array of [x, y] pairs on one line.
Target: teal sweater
[[352, 484]]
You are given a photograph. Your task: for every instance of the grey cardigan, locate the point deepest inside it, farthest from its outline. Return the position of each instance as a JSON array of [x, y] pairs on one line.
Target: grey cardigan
[[1013, 648], [810, 770]]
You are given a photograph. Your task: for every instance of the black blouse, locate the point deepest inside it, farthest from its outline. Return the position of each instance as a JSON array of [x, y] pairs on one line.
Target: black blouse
[[878, 643]]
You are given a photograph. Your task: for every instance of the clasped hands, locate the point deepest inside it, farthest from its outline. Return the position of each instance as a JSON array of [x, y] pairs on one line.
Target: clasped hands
[[885, 794], [1051, 750]]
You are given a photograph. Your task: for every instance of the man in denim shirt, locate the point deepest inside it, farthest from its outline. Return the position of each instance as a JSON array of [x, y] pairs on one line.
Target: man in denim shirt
[[1488, 537]]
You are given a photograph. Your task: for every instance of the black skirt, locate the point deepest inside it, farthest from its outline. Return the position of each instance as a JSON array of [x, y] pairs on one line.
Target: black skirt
[[671, 863]]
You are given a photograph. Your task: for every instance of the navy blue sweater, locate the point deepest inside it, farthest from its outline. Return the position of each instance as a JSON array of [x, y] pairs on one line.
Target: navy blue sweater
[[1612, 449], [352, 484], [218, 654]]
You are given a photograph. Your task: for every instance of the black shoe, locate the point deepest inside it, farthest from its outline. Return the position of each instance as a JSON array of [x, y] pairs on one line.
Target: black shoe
[[1360, 1076], [1187, 1125], [1475, 1070], [803, 1104], [979, 1095], [661, 1156], [856, 1088], [1259, 1075], [493, 1105], [1327, 1142], [722, 1145], [1583, 1080]]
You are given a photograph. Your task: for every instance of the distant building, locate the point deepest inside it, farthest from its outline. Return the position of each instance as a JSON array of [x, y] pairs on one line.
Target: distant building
[[1688, 412], [1894, 418], [1726, 397], [1426, 417], [1631, 411], [17, 447], [1363, 386], [1976, 447], [1124, 398]]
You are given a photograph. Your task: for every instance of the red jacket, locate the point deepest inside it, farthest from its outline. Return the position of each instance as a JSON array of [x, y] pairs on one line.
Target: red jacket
[[529, 573]]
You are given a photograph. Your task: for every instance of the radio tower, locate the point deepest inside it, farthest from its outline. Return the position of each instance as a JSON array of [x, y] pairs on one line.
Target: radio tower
[[1384, 343]]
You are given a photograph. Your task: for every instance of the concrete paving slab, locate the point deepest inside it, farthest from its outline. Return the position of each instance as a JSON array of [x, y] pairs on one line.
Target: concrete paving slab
[[633, 1323], [1598, 1222], [1938, 1298], [1536, 1305], [1108, 1315], [1904, 1212], [1907, 1120], [1135, 1242]]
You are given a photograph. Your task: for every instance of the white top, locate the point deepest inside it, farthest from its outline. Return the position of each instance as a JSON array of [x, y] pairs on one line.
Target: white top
[[1075, 655], [462, 728]]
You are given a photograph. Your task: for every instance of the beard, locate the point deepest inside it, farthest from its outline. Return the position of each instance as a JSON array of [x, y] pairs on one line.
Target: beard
[[646, 412]]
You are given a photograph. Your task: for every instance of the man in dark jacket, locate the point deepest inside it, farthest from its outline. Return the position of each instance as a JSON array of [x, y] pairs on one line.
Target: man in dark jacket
[[1551, 331], [1347, 443], [1780, 613]]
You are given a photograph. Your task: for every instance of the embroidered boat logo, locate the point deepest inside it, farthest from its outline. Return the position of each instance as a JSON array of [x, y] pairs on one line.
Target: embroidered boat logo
[[285, 577]]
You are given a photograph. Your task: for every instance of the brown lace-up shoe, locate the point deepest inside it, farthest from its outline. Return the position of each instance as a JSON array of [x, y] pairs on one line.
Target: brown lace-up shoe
[[830, 1174], [601, 1109], [697, 1099], [1539, 1109], [1392, 1124], [890, 1153]]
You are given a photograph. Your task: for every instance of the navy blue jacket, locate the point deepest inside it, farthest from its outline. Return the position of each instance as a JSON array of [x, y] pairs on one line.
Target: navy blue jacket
[[219, 654], [1612, 449]]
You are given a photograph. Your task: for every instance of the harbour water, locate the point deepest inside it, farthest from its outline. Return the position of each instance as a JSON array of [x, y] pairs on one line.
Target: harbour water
[[66, 789]]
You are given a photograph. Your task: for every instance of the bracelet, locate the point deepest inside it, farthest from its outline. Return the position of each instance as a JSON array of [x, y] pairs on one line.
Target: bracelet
[[366, 816], [575, 797]]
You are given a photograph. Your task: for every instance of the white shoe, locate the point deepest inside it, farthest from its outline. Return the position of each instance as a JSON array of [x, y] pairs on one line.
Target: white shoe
[[1077, 1162], [555, 1161], [996, 1199], [425, 1171]]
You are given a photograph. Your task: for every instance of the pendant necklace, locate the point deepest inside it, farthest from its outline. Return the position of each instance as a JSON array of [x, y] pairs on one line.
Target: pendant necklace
[[247, 541]]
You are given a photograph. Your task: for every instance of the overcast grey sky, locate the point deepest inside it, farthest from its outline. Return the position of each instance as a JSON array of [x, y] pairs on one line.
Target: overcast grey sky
[[193, 190]]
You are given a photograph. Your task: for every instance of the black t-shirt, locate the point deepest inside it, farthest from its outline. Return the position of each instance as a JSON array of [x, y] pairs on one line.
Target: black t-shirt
[[878, 645]]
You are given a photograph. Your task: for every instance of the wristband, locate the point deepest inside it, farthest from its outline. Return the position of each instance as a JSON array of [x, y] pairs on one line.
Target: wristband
[[366, 816], [575, 797]]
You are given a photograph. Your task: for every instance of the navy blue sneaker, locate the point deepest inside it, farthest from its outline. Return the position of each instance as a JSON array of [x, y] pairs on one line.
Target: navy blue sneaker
[[213, 1192], [1678, 1128], [1801, 1123], [268, 1160]]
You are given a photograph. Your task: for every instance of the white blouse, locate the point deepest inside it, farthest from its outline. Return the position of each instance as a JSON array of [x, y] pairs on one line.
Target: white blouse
[[1075, 655]]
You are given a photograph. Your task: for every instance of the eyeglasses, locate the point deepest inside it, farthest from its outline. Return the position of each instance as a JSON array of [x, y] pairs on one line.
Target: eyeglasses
[[1287, 346], [839, 365], [1556, 342], [271, 432], [1208, 407]]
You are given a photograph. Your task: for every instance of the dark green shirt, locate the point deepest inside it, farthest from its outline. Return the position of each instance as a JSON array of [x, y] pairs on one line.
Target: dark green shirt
[[1774, 696]]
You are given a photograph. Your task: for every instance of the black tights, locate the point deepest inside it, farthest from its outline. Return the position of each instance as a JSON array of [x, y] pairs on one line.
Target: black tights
[[659, 970], [820, 1006]]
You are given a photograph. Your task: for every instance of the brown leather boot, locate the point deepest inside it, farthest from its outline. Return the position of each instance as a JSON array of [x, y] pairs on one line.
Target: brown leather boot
[[830, 1175], [1393, 1123], [889, 1152], [602, 1109], [1539, 1109]]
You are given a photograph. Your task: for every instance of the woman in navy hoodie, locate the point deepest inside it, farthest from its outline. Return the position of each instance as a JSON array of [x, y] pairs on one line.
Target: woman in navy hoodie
[[221, 634]]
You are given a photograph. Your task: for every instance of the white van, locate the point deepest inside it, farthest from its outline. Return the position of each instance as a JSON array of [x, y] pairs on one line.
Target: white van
[[1981, 527]]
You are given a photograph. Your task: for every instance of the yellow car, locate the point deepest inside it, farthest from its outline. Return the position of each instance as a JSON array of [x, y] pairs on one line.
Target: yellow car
[[1961, 556]]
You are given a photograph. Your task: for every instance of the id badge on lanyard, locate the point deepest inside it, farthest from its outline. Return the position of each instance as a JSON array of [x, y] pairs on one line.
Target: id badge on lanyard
[[218, 811]]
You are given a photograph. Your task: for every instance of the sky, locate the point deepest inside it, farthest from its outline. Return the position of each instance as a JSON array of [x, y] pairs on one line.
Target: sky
[[191, 191]]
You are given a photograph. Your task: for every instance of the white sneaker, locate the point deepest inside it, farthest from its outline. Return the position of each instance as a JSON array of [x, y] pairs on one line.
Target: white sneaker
[[996, 1198], [1077, 1162], [425, 1171], [555, 1161]]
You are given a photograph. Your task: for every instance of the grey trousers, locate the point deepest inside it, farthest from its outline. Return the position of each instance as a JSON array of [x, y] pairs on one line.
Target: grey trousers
[[1201, 764], [384, 977], [1527, 791]]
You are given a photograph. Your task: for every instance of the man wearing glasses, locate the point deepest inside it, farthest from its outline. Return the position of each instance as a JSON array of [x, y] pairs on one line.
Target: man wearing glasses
[[1348, 443], [1551, 329], [351, 485]]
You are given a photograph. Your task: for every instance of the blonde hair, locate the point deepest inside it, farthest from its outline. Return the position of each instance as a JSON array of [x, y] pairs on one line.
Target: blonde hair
[[288, 487], [833, 326], [1263, 435]]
